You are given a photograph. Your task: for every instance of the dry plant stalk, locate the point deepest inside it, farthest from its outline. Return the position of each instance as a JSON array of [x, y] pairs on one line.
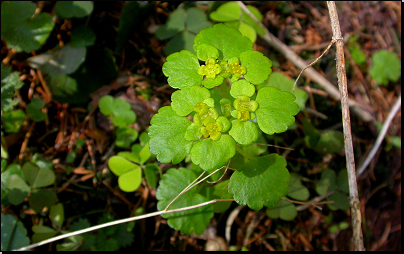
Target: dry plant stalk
[[346, 123]]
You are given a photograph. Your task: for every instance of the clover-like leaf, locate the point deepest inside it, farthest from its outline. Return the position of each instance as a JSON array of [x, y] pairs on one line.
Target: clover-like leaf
[[280, 81], [37, 177], [124, 118], [74, 9], [82, 36], [211, 154], [276, 110], [330, 142], [258, 66], [119, 165], [327, 183], [386, 67], [13, 233], [196, 20], [42, 233], [283, 209], [184, 100], [242, 87], [228, 41], [57, 215], [17, 189], [260, 182], [297, 190], [34, 110], [181, 41], [244, 132], [192, 221], [106, 105], [175, 24], [130, 181], [21, 28], [167, 136], [247, 31], [150, 174], [181, 69], [125, 136], [41, 198], [247, 19], [340, 201], [226, 12]]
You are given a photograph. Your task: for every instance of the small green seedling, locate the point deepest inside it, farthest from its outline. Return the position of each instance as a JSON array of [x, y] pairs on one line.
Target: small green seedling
[[231, 14], [386, 67], [210, 129], [329, 182]]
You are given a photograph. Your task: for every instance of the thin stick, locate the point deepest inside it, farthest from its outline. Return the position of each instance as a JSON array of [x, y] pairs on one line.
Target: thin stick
[[346, 124], [112, 223], [381, 136], [310, 72]]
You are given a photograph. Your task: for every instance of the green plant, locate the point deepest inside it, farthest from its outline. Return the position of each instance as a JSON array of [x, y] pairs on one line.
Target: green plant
[[13, 233], [182, 26], [337, 185], [213, 138], [325, 142], [233, 16], [386, 67]]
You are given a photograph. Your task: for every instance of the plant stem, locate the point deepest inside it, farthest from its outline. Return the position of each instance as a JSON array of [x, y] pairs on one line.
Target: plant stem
[[223, 89], [346, 123], [112, 223]]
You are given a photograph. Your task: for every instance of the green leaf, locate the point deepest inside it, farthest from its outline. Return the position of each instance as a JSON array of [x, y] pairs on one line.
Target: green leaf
[[226, 12], [34, 110], [120, 166], [167, 136], [175, 24], [276, 110], [74, 9], [184, 100], [228, 41], [125, 136], [260, 182], [297, 190], [283, 209], [247, 31], [41, 198], [21, 28], [130, 156], [144, 153], [124, 118], [280, 81], [131, 180], [181, 41], [82, 36], [327, 182], [37, 177], [60, 61], [247, 19], [12, 169], [13, 233], [242, 87], [181, 69], [340, 201], [330, 142], [342, 181], [106, 105], [258, 66], [386, 67], [42, 233], [57, 215], [150, 175], [244, 132], [210, 154], [196, 20], [17, 189], [120, 105], [12, 121], [221, 191], [9, 83], [192, 221]]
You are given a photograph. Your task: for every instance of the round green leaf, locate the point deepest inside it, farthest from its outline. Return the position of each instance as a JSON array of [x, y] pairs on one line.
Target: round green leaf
[[42, 233], [386, 67], [283, 209], [330, 142], [17, 189], [74, 9], [82, 36], [181, 41], [184, 100], [276, 110], [340, 201], [327, 182], [260, 182], [131, 180], [60, 61], [210, 154], [120, 166], [244, 133], [13, 233], [204, 51], [34, 110], [21, 28], [247, 31], [41, 198], [125, 136], [192, 221], [258, 66], [124, 118], [228, 41], [174, 25], [211, 83], [297, 190], [37, 177], [130, 156], [242, 87], [167, 136], [106, 104], [181, 69], [120, 105], [226, 12], [196, 20]]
